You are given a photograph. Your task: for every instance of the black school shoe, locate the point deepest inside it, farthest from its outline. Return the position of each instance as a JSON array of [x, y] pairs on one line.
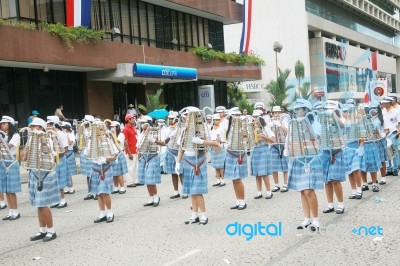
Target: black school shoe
[[328, 210], [38, 236], [49, 237], [364, 188]]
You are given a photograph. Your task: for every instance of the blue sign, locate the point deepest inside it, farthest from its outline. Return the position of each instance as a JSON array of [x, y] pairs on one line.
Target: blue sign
[[167, 72]]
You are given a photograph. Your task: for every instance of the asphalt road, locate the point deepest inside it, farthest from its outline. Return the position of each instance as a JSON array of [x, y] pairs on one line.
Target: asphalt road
[[158, 236]]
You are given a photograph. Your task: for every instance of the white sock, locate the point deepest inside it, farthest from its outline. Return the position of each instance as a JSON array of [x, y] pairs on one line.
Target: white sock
[[10, 212], [306, 221], [354, 191], [383, 179], [2, 203], [330, 205], [203, 216], [62, 202], [340, 205], [110, 213], [156, 198], [315, 221], [359, 190], [15, 212], [242, 202], [237, 202], [194, 215], [151, 200], [176, 192], [269, 192], [365, 184], [43, 230], [259, 193], [102, 214], [51, 230]]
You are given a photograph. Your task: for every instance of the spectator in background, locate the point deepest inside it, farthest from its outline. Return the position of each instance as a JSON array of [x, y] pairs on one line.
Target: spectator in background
[[59, 113], [33, 115], [131, 110]]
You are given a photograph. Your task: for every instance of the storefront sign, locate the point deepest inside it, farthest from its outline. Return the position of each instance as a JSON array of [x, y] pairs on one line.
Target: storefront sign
[[335, 51], [167, 72], [206, 96], [252, 87], [319, 94]]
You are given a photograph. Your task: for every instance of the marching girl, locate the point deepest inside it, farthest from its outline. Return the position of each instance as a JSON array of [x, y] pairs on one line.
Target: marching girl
[[261, 154], [10, 182], [305, 176], [149, 169], [101, 173], [119, 166], [70, 156], [194, 169], [217, 133], [42, 182], [85, 164]]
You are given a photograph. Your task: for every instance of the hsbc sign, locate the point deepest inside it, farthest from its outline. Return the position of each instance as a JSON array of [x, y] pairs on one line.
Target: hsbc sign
[[335, 51]]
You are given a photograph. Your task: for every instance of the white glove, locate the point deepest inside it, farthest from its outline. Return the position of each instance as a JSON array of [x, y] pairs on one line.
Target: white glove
[[177, 167], [197, 140], [277, 123], [360, 151], [151, 139]]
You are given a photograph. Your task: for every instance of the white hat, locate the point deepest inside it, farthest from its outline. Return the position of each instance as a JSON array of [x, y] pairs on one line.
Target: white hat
[[216, 117], [38, 122], [303, 103], [259, 105], [386, 100], [318, 105], [145, 119], [66, 124], [160, 120], [130, 105], [276, 109], [331, 104], [6, 119], [351, 101], [89, 118], [257, 112], [173, 114], [53, 119], [346, 107], [220, 109], [115, 124], [235, 111], [210, 116]]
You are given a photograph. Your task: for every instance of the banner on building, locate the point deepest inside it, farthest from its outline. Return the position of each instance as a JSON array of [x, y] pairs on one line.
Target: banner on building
[[78, 13], [246, 29]]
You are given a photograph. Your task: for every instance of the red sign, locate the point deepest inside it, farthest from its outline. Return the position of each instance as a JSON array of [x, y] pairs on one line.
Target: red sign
[[319, 94], [378, 91]]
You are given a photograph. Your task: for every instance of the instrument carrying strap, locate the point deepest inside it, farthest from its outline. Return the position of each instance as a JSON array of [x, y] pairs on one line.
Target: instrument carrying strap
[[196, 167], [238, 157], [102, 171]]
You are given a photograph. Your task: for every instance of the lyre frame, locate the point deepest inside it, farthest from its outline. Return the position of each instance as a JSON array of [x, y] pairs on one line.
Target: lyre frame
[[7, 149]]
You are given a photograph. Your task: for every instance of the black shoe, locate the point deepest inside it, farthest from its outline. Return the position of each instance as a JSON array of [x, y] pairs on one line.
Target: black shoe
[[54, 205], [38, 236], [88, 197], [301, 226], [156, 203], [328, 210], [314, 228], [66, 192], [139, 184], [115, 192], [62, 206], [3, 207], [389, 173], [203, 222], [222, 184], [269, 196], [352, 196], [99, 220], [175, 196], [148, 204], [382, 183], [284, 189], [339, 210], [276, 189], [375, 188], [359, 195], [184, 196], [216, 184], [131, 185], [122, 192], [258, 197], [49, 237], [15, 217], [369, 182], [193, 221], [364, 188], [235, 207], [96, 197], [8, 217], [242, 207], [395, 173], [110, 219], [71, 191]]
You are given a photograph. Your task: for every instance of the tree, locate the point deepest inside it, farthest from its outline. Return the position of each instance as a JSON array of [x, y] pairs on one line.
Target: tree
[[299, 70], [152, 102], [237, 97], [304, 92], [278, 88]]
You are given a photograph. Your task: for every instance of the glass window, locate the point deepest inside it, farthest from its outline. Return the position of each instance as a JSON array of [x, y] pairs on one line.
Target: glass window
[[125, 27], [167, 22], [195, 31], [143, 22], [201, 31], [181, 37], [159, 30], [134, 21], [206, 32], [8, 9], [26, 10], [152, 23], [189, 39], [59, 11], [44, 10]]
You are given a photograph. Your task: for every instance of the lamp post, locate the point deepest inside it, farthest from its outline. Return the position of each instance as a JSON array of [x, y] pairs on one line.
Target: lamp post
[[277, 49]]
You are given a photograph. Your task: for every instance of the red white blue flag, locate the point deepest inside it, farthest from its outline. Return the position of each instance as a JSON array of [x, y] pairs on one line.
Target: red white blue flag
[[246, 30], [78, 13]]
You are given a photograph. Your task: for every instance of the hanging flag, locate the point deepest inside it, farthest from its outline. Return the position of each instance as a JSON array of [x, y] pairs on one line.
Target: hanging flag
[[369, 76], [78, 13], [246, 29], [374, 61]]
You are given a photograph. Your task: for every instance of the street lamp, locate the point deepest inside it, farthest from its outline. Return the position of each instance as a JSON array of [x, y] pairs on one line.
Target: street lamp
[[277, 48]]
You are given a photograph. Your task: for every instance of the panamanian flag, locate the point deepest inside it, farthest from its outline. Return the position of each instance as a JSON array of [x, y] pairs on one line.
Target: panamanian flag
[[78, 13], [246, 30]]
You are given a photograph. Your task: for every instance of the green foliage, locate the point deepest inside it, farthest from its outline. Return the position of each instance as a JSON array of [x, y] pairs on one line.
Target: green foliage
[[73, 34], [18, 24], [240, 59], [304, 92], [278, 89], [299, 70], [152, 102], [236, 97]]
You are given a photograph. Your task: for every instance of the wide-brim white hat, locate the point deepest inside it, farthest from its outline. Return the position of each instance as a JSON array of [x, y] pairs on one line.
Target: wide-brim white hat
[[38, 122], [7, 119]]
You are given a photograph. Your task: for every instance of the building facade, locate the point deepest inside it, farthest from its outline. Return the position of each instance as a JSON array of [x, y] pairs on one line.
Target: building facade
[[343, 44], [38, 71]]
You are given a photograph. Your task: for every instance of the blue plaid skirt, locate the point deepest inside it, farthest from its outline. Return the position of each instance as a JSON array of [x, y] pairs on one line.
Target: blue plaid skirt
[[371, 161], [382, 146], [218, 159], [261, 161], [300, 180], [71, 163], [279, 163], [169, 164], [119, 166], [62, 173], [335, 171], [50, 193], [194, 184], [10, 181], [86, 165], [234, 170], [353, 161], [149, 169], [98, 186]]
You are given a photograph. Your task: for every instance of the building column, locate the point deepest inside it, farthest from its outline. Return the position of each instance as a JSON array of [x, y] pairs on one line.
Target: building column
[[397, 74]]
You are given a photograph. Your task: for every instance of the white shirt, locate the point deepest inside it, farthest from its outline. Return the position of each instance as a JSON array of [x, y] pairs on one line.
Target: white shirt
[[71, 137], [131, 111], [390, 119], [15, 140], [62, 136], [121, 140]]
